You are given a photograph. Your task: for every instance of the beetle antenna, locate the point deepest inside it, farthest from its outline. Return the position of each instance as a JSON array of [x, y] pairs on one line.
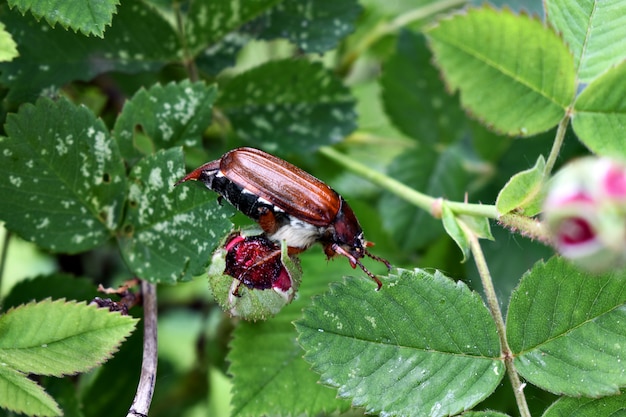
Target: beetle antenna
[[379, 259]]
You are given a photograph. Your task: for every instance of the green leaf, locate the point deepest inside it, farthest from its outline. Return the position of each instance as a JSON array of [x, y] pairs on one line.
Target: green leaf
[[484, 414], [138, 40], [566, 329], [414, 95], [513, 73], [90, 17], [458, 227], [8, 47], [313, 25], [599, 116], [169, 233], [57, 285], [523, 192], [454, 230], [595, 32], [588, 407], [275, 380], [309, 107], [60, 338], [62, 178], [22, 395], [175, 114], [439, 174], [423, 345]]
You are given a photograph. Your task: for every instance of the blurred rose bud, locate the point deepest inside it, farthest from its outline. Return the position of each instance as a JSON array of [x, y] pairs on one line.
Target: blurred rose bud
[[585, 212], [252, 277]]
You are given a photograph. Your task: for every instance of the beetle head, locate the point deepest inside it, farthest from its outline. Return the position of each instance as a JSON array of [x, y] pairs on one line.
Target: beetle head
[[348, 241]]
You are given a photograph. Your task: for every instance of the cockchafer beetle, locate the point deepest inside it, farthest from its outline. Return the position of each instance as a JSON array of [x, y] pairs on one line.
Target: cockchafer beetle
[[288, 203]]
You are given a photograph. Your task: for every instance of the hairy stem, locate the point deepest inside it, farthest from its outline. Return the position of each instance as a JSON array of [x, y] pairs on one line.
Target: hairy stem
[[496, 313], [145, 388], [421, 200], [556, 145]]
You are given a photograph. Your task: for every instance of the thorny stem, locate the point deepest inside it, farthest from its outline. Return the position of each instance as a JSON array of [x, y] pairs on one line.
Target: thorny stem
[[556, 145], [3, 259], [387, 28], [496, 313], [145, 388]]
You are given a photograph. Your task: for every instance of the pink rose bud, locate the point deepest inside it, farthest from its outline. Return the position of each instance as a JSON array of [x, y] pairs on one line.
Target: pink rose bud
[[585, 212]]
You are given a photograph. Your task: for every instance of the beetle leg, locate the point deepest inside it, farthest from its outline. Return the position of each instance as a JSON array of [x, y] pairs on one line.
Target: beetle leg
[[354, 262]]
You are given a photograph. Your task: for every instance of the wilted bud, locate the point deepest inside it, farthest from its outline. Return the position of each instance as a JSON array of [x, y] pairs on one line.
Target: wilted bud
[[585, 212], [252, 277]]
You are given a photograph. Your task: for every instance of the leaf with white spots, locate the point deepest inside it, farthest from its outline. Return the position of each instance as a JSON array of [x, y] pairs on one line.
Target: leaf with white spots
[[308, 108], [62, 179], [174, 114], [88, 16], [169, 233], [421, 346], [209, 21], [313, 25], [140, 39], [566, 329]]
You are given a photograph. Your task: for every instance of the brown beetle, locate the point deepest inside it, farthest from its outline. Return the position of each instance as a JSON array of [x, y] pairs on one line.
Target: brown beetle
[[288, 203]]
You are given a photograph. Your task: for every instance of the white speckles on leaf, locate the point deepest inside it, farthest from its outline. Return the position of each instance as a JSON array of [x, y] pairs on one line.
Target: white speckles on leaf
[[155, 179], [43, 223], [15, 181]]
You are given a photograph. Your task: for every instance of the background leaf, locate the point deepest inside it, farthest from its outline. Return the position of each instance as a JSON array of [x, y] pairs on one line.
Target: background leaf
[[439, 174], [414, 95], [580, 349], [60, 338], [599, 117], [90, 17], [8, 48], [492, 57], [175, 114], [275, 379], [50, 58], [422, 346], [169, 233], [55, 286], [313, 25], [588, 407], [61, 177], [309, 107], [595, 32], [22, 395]]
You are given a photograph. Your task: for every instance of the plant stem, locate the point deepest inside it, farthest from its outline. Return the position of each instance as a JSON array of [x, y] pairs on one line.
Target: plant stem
[[556, 145], [188, 60], [421, 200], [3, 259], [147, 380], [496, 313]]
